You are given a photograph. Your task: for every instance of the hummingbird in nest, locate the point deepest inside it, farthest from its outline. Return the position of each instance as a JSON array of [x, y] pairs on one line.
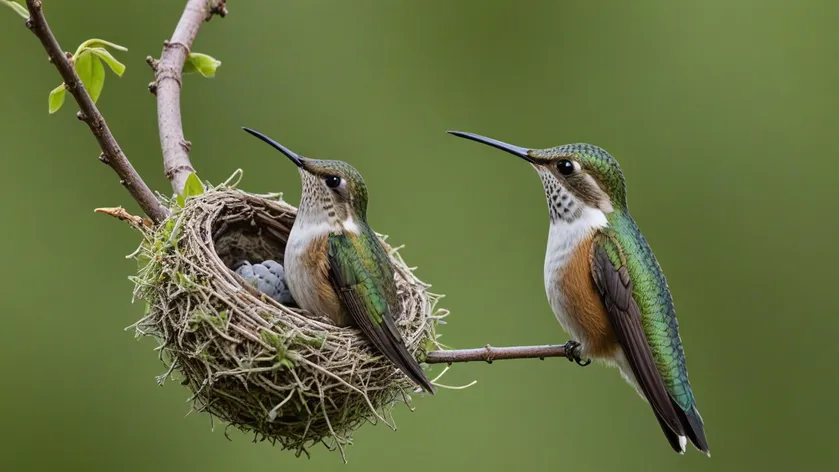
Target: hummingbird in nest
[[336, 265], [605, 286]]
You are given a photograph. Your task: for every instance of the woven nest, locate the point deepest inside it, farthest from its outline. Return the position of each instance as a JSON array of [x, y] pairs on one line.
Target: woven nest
[[283, 374]]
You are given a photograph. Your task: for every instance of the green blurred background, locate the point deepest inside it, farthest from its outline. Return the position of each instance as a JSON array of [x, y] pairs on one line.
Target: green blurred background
[[723, 115]]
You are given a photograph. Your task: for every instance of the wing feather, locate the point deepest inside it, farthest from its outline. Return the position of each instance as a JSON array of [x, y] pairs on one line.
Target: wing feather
[[368, 304], [615, 287]]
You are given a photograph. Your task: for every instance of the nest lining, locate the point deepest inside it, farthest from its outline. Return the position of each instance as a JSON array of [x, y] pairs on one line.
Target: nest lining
[[283, 374]]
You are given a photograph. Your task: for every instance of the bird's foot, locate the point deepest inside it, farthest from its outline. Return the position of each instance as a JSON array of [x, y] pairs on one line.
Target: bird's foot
[[573, 351]]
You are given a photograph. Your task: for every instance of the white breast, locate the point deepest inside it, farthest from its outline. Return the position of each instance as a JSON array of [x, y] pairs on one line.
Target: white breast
[[563, 239], [302, 281]]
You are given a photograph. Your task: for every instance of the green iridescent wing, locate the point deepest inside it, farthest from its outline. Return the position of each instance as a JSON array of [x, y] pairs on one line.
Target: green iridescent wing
[[361, 275], [615, 287], [635, 292]]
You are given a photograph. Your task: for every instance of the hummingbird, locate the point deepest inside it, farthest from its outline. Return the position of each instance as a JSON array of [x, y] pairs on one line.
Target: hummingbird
[[606, 287], [336, 265]]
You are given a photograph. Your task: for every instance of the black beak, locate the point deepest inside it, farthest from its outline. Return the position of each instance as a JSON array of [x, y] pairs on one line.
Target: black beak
[[297, 160], [515, 150]]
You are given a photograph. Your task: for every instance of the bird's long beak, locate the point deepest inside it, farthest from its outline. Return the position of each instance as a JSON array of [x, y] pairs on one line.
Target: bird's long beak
[[295, 158], [521, 152]]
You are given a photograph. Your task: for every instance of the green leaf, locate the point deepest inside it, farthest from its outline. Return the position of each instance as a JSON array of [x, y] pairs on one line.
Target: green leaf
[[92, 73], [57, 98], [189, 68], [115, 65], [98, 43], [17, 7], [193, 186], [201, 63], [180, 200]]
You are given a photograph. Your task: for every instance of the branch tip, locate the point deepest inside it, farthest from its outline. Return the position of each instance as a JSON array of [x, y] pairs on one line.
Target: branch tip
[[176, 162], [219, 9], [114, 155], [122, 215]]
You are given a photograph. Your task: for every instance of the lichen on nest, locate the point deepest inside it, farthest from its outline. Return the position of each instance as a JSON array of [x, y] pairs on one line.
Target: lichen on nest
[[287, 376]]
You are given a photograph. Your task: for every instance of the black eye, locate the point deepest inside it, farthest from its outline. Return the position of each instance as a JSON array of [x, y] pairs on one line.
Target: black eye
[[565, 167], [332, 181]]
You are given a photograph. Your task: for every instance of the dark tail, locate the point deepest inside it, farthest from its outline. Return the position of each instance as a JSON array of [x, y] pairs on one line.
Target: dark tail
[[409, 365], [691, 423], [673, 438], [403, 359], [413, 370]]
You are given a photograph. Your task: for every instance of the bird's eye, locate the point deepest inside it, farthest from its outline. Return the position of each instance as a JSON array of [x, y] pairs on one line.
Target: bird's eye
[[332, 181], [565, 167]]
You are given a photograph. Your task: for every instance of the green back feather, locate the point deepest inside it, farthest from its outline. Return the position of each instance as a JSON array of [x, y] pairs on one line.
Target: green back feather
[[652, 295], [365, 263]]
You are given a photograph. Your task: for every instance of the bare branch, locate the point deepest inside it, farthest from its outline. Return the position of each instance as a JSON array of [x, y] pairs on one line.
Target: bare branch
[[490, 354], [168, 72], [120, 214], [111, 152]]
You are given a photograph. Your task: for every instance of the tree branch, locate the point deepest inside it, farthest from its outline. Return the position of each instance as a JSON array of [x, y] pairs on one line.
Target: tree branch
[[111, 152], [176, 163], [489, 354], [167, 84]]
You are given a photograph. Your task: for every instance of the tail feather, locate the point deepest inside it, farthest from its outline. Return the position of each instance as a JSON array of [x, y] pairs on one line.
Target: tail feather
[[412, 369], [695, 430], [402, 358], [677, 441]]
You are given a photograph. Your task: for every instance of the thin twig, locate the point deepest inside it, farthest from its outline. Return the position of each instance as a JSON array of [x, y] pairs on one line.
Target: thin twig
[[111, 152], [121, 214], [490, 354], [167, 84]]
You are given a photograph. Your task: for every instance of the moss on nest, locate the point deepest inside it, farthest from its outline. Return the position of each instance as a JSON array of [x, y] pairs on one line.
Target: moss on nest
[[283, 374]]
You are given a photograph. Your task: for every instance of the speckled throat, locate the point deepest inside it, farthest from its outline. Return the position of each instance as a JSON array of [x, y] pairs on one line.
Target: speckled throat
[[562, 204]]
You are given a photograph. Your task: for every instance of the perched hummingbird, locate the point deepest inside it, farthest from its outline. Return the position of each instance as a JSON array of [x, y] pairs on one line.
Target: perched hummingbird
[[605, 286], [336, 265]]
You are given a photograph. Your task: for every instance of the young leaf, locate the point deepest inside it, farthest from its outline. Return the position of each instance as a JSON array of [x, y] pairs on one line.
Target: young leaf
[[98, 43], [83, 63], [57, 98], [201, 63], [189, 67], [115, 65], [17, 7], [193, 186], [92, 73]]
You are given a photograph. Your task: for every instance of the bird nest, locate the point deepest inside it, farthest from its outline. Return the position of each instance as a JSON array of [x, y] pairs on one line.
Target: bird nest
[[287, 376]]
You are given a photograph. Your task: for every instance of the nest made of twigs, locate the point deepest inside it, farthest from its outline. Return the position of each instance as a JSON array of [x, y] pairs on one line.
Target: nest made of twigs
[[281, 373]]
